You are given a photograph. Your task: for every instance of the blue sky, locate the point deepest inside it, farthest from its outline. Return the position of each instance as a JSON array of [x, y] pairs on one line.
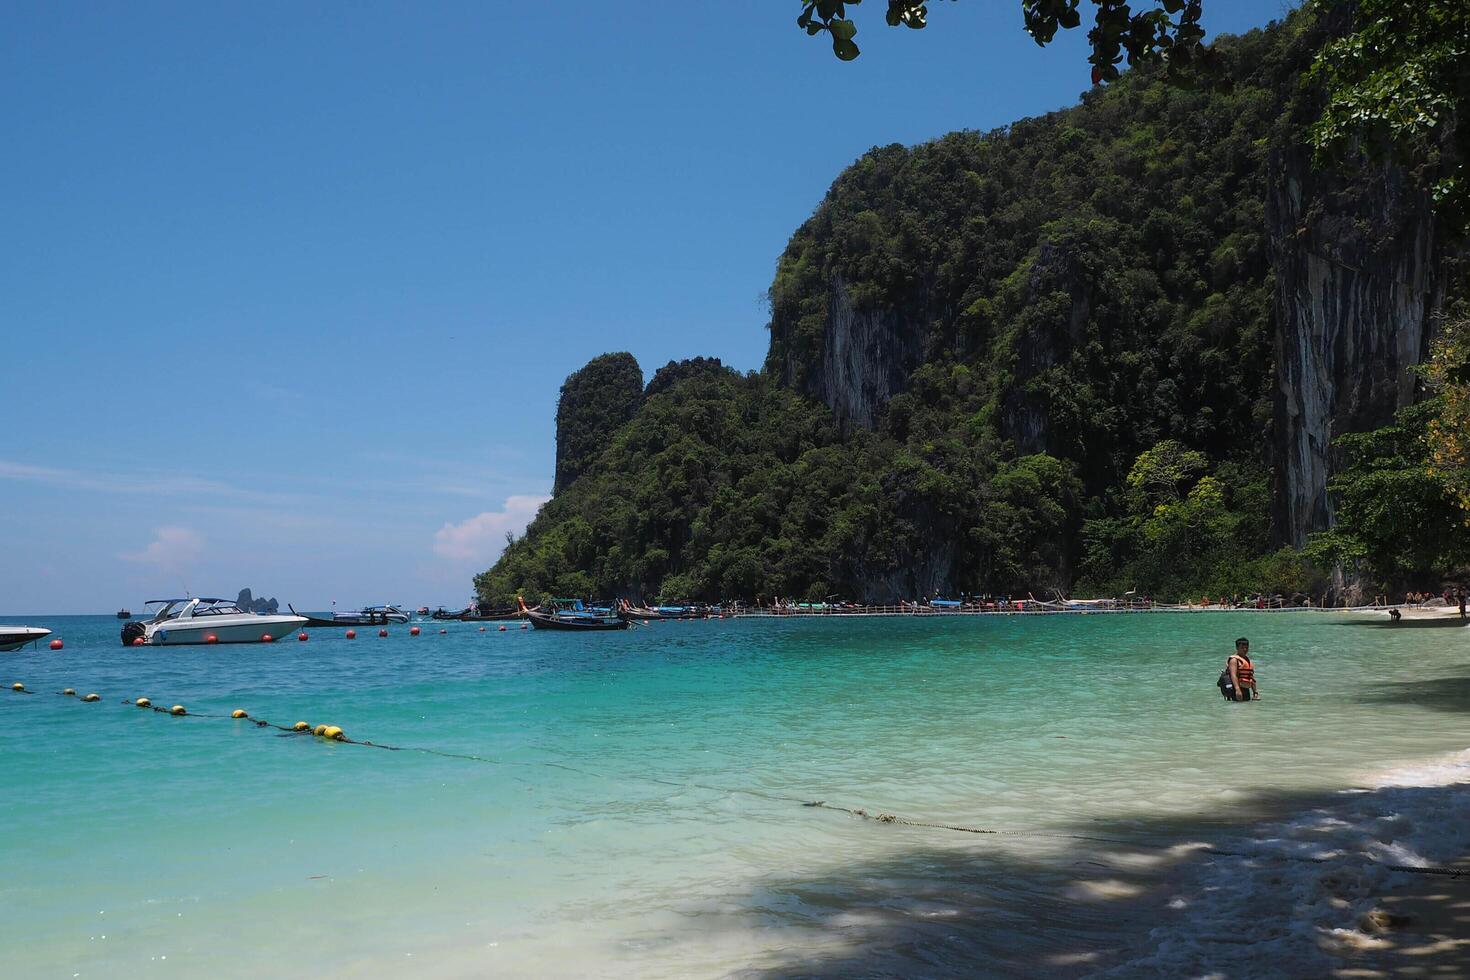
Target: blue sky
[[287, 291]]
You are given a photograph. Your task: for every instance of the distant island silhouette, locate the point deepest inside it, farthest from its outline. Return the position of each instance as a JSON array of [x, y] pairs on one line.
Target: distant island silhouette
[[251, 604]]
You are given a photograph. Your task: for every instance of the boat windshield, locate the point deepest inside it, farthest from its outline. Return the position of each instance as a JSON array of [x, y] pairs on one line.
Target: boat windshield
[[181, 608], [219, 609]]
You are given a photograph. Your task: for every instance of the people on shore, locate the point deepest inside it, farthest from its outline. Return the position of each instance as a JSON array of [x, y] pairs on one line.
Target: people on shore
[[1238, 679]]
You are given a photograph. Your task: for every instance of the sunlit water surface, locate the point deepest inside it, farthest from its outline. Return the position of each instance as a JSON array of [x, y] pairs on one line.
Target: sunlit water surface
[[637, 807]]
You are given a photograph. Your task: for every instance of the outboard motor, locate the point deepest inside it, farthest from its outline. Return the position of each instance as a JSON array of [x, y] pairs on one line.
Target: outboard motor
[[132, 631]]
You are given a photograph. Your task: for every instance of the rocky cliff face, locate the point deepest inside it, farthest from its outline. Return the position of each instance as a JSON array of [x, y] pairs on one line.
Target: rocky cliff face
[[1024, 418], [1357, 280], [867, 356]]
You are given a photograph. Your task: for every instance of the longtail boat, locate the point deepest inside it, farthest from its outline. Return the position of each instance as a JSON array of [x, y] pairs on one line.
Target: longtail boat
[[571, 616]]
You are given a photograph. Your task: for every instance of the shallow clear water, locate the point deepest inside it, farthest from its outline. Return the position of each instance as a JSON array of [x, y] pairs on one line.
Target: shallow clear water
[[641, 815]]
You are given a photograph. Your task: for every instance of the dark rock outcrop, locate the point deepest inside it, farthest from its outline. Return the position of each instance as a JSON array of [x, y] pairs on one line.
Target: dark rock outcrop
[[251, 604], [595, 401], [675, 371]]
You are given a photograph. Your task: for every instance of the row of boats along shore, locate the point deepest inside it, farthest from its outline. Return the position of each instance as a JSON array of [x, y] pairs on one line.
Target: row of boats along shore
[[202, 620]]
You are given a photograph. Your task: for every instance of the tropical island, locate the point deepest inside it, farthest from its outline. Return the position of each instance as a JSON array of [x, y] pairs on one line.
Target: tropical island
[[1154, 342], [1203, 336]]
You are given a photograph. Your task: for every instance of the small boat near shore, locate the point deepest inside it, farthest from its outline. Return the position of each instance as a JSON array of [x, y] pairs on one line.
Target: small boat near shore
[[571, 616], [650, 613], [471, 614], [384, 615], [370, 616], [125, 613], [203, 620], [15, 637]]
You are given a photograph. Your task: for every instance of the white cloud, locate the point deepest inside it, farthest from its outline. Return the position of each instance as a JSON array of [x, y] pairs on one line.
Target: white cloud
[[171, 547], [482, 538]]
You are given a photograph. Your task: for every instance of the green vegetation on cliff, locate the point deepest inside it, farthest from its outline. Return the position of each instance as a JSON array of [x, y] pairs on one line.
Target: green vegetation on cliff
[[999, 362], [595, 401]]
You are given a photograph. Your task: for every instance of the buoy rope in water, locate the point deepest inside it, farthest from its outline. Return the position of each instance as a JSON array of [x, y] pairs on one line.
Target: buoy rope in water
[[1206, 849], [302, 728]]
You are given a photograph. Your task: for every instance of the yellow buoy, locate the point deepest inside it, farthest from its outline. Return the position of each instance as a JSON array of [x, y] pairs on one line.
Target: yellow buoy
[[17, 686], [319, 730], [239, 713], [333, 732], [301, 726], [68, 692], [92, 697], [177, 709], [143, 703]]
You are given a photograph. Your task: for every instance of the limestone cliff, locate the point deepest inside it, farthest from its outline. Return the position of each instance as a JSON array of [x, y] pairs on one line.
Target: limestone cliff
[[595, 402], [1177, 268], [866, 358], [1358, 269]]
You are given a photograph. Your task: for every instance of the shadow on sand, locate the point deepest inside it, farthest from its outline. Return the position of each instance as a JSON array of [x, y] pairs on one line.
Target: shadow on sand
[[950, 904]]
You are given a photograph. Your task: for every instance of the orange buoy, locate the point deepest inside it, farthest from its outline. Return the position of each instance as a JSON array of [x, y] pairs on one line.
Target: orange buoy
[[139, 641], [501, 630], [352, 634], [56, 644], [301, 637], [211, 638], [267, 638], [413, 631], [382, 632]]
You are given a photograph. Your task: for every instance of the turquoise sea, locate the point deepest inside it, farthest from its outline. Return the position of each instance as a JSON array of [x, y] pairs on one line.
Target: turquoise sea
[[634, 807]]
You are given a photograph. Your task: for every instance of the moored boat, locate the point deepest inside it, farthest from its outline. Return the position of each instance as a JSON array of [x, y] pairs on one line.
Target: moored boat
[[15, 637], [189, 621], [570, 615], [371, 616], [124, 613]]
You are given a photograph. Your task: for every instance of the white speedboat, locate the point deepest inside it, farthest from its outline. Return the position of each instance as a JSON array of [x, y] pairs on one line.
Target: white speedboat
[[182, 621], [15, 637]]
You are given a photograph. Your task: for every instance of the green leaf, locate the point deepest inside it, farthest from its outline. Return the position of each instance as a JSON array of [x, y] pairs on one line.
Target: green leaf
[[843, 30], [844, 49]]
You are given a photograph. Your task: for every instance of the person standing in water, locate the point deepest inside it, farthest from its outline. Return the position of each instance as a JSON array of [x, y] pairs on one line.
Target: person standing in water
[[1238, 682]]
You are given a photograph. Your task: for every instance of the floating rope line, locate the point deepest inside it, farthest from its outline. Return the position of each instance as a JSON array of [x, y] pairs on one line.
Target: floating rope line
[[1205, 849], [334, 733]]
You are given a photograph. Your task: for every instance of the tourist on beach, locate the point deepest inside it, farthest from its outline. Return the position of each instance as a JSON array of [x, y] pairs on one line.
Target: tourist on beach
[[1460, 597], [1238, 679]]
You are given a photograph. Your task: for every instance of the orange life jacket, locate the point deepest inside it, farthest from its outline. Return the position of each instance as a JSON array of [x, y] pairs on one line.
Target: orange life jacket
[[1245, 671]]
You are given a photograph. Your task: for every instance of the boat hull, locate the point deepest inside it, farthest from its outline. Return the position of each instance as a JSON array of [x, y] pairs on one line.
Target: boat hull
[[15, 637], [226, 629], [541, 621]]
